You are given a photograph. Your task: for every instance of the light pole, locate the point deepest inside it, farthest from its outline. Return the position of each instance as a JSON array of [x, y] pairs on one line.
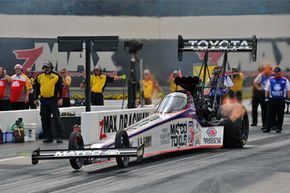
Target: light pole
[[132, 46]]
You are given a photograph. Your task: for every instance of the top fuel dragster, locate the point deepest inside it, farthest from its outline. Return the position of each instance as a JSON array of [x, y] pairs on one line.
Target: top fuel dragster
[[184, 120]]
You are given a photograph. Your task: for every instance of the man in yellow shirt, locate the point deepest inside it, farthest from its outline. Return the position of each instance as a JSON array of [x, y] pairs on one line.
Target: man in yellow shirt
[[149, 86], [238, 80], [98, 84], [66, 82], [48, 87], [30, 75], [172, 85]]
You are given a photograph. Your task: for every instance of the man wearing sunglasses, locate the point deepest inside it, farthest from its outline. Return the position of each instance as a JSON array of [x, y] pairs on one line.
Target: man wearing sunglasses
[[20, 89], [48, 88]]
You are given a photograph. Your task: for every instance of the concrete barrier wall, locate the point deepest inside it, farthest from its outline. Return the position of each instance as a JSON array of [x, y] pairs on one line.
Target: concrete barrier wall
[[104, 124], [7, 118]]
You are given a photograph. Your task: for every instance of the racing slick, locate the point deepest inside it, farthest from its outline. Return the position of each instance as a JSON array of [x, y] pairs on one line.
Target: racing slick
[[277, 91], [48, 86], [260, 84], [5, 82], [20, 89]]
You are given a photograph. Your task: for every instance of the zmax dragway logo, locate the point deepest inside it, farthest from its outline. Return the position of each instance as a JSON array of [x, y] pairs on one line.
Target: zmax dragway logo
[[29, 55]]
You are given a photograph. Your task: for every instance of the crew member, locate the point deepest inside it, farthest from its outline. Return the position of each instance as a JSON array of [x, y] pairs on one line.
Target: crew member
[[20, 89], [30, 75], [98, 84], [48, 87], [260, 83], [216, 81], [277, 91], [149, 85], [287, 75], [172, 85], [5, 82], [256, 101], [66, 81], [238, 81]]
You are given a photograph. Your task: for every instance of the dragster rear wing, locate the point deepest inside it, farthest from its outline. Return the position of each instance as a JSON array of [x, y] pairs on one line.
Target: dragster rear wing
[[86, 153], [217, 45]]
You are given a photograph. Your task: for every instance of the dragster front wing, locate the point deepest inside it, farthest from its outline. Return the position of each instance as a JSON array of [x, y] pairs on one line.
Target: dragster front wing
[[87, 153]]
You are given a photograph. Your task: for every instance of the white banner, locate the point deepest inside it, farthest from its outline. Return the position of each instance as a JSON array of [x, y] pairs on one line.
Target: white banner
[[100, 125]]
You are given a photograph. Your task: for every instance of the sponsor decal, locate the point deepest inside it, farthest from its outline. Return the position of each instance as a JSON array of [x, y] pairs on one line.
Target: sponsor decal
[[164, 136], [146, 140], [178, 133], [191, 132], [212, 139], [213, 45], [211, 132], [15, 84], [112, 123], [86, 153]]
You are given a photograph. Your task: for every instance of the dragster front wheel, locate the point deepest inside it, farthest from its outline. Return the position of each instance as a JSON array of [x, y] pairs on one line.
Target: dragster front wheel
[[121, 141], [76, 142]]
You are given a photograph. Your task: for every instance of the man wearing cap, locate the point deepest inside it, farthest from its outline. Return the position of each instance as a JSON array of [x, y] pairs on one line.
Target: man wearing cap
[[66, 82], [277, 91], [260, 84], [98, 84], [5, 82], [20, 89], [48, 88]]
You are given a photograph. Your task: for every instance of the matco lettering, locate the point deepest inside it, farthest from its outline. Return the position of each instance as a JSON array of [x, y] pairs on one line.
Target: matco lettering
[[178, 134], [86, 153]]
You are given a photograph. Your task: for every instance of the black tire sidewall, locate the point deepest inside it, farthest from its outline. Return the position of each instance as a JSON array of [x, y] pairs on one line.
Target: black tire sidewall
[[75, 135], [122, 134]]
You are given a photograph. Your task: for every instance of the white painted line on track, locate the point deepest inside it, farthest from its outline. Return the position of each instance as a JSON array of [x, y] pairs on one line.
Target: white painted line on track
[[12, 158]]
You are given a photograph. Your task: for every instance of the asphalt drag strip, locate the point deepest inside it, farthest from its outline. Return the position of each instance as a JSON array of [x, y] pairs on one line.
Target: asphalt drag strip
[[265, 159]]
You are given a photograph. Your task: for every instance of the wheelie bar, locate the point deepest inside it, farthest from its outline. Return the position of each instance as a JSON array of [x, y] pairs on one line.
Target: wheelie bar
[[86, 153]]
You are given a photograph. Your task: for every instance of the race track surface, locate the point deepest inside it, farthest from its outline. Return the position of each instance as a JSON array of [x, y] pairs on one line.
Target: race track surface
[[262, 166]]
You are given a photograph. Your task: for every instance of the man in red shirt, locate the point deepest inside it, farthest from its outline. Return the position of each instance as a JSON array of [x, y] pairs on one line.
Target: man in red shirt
[[66, 82], [20, 89], [5, 82]]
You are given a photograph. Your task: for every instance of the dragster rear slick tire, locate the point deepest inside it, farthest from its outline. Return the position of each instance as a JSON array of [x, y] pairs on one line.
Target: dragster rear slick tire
[[236, 132], [121, 141], [76, 142]]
